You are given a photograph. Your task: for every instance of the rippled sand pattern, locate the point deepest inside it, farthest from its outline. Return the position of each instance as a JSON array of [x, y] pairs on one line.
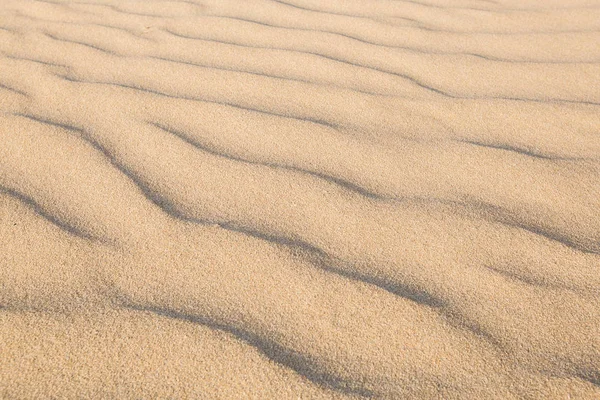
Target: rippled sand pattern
[[300, 199]]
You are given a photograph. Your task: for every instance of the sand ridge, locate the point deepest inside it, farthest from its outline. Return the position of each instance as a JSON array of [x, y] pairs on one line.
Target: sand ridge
[[299, 199]]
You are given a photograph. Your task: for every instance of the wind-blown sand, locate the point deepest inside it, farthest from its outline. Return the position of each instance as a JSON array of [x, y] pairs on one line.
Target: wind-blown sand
[[300, 199]]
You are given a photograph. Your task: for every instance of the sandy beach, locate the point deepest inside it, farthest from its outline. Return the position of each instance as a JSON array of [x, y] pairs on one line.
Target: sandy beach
[[300, 199]]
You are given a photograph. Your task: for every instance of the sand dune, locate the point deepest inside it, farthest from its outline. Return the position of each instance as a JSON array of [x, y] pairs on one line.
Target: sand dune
[[300, 199]]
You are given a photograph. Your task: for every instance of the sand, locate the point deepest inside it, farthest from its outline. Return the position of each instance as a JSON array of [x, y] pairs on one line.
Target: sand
[[283, 199]]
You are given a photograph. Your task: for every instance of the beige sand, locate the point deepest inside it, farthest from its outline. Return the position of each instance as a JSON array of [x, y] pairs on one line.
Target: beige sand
[[300, 199]]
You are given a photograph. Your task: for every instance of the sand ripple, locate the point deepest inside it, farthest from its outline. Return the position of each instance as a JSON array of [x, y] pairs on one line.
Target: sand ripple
[[300, 199]]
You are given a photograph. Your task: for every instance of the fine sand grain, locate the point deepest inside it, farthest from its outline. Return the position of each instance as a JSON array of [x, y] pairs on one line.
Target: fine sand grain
[[283, 199]]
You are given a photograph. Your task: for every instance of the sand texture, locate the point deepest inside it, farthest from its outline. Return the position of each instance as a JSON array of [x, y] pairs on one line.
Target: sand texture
[[285, 199]]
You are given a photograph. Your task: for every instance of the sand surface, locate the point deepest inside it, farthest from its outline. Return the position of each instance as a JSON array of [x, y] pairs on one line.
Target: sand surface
[[283, 199]]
